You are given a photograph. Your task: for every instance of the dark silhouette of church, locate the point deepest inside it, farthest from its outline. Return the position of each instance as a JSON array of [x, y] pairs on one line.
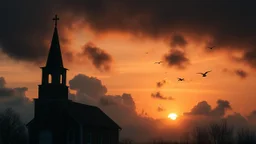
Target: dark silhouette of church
[[58, 120]]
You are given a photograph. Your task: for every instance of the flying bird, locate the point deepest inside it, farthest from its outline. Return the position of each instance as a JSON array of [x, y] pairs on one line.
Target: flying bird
[[159, 62], [211, 47], [181, 79], [204, 74], [146, 52]]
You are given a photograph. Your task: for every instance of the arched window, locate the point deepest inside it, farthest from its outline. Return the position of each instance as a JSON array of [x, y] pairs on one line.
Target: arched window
[[50, 78], [45, 137]]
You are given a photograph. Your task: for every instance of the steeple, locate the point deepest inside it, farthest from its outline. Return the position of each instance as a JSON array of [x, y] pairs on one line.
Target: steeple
[[53, 84], [54, 58]]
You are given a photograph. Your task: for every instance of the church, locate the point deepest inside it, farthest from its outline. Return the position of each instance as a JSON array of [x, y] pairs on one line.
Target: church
[[58, 120]]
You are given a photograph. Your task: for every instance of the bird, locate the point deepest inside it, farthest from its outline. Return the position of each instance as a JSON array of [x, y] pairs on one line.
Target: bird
[[159, 62], [204, 74], [211, 47], [181, 79], [146, 52]]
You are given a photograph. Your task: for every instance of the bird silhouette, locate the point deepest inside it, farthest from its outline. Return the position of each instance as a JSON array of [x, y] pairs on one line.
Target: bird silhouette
[[204, 74], [211, 47], [159, 62], [181, 79], [146, 52]]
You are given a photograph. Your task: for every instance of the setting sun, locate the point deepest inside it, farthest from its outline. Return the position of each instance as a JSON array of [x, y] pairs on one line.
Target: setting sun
[[172, 116]]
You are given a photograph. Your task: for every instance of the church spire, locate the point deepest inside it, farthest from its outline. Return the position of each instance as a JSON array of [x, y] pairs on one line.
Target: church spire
[[54, 57], [54, 75]]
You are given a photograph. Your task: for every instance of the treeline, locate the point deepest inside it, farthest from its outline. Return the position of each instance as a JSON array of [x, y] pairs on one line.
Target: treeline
[[12, 129], [215, 133]]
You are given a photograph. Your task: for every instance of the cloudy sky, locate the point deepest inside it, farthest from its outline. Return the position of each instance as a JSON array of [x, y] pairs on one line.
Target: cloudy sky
[[110, 48]]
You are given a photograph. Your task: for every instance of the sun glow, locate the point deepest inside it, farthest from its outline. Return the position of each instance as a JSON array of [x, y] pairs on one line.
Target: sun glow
[[172, 116]]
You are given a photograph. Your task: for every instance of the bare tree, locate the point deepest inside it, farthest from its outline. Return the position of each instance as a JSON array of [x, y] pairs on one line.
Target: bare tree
[[245, 136], [185, 138], [221, 133], [200, 135], [12, 130], [127, 141]]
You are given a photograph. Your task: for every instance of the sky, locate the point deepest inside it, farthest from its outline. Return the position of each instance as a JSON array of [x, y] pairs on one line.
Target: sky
[[110, 49]]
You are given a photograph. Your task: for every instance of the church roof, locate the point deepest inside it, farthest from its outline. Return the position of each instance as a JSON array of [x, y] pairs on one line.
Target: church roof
[[91, 115], [87, 115], [54, 57]]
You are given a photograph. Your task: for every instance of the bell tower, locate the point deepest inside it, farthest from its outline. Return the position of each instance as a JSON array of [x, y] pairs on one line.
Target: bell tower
[[53, 84]]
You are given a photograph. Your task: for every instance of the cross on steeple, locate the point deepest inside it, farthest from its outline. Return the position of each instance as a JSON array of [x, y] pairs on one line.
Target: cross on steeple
[[56, 20]]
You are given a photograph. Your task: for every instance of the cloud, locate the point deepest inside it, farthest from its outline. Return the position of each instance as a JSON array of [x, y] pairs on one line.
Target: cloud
[[90, 86], [241, 73], [252, 117], [160, 109], [24, 39], [161, 83], [158, 95], [121, 108], [221, 108], [16, 98], [176, 58], [238, 72], [203, 108], [100, 59], [178, 41]]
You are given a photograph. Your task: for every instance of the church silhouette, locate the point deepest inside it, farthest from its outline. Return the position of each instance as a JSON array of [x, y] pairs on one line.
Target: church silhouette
[[58, 120]]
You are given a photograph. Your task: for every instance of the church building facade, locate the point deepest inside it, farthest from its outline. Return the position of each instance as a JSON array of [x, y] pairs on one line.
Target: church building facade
[[58, 120]]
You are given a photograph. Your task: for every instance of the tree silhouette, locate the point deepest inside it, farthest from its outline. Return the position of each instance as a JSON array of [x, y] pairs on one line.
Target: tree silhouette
[[200, 135], [245, 136], [12, 130], [127, 141], [221, 133]]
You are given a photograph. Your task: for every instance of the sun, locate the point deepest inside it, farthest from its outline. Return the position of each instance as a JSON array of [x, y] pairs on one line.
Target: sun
[[172, 116]]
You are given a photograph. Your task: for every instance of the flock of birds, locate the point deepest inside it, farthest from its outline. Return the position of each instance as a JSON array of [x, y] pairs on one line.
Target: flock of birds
[[204, 74]]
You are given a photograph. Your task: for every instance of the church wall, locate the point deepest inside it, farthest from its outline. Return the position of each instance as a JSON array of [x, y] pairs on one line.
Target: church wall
[[100, 136]]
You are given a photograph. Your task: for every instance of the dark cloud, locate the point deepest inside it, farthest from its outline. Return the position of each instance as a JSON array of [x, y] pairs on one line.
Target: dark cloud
[[160, 109], [100, 59], [203, 108], [161, 83], [27, 25], [125, 99], [237, 120], [158, 95], [252, 117], [176, 58], [221, 108], [238, 72], [178, 41], [241, 73], [105, 101], [15, 98], [89, 86], [121, 108]]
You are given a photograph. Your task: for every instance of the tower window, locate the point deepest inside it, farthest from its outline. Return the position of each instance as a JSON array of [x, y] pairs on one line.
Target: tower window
[[50, 78], [61, 79]]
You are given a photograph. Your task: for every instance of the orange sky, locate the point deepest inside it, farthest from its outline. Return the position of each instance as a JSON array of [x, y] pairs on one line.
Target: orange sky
[[135, 72]]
